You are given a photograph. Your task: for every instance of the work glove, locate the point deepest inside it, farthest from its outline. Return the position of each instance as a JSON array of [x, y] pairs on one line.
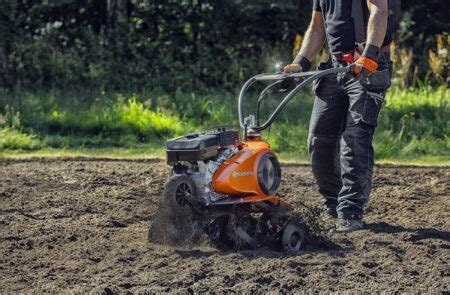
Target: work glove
[[367, 64], [299, 64], [292, 68]]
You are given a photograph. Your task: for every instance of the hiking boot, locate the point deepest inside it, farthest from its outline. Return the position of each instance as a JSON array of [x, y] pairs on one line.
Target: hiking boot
[[347, 225]]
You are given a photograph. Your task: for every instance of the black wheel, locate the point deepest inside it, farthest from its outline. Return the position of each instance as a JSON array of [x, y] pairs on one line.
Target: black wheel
[[180, 194], [293, 237], [176, 219]]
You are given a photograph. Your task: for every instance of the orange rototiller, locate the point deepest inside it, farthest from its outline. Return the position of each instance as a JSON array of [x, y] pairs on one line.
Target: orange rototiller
[[229, 185]]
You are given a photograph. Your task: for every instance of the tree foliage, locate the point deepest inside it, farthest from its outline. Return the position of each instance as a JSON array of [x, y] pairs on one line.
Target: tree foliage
[[167, 44]]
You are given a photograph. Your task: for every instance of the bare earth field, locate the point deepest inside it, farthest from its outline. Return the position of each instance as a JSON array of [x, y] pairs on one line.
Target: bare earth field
[[80, 225]]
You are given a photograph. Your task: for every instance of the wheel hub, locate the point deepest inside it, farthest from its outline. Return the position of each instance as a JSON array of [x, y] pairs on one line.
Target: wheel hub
[[182, 194], [294, 240]]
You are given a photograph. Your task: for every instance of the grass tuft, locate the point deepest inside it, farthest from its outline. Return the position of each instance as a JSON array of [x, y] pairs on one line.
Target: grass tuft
[[15, 140]]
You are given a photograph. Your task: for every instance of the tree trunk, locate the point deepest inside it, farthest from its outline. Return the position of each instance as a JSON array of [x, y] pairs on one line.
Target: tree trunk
[[6, 42], [4, 72], [117, 25], [395, 13]]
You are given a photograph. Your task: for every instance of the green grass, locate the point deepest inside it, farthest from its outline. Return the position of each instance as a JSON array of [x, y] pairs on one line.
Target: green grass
[[151, 151], [139, 151], [424, 96], [15, 140], [131, 118], [414, 125]]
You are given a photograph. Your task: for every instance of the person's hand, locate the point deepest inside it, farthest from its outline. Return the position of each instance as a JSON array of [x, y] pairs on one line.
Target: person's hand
[[364, 67], [367, 64], [292, 68], [289, 69]]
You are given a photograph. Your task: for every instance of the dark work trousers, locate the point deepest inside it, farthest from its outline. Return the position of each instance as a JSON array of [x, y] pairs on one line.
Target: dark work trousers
[[341, 129]]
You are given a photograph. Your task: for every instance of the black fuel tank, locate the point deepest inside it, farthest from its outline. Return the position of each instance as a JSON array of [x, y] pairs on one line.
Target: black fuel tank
[[199, 146]]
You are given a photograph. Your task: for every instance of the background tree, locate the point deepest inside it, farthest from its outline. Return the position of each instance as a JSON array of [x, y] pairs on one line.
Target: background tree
[[190, 44]]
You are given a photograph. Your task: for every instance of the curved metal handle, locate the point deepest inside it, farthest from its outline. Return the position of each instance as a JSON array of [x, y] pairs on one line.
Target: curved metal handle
[[267, 77]]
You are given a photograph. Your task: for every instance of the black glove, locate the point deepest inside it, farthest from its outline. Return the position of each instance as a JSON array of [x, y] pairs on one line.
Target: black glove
[[367, 64], [300, 64]]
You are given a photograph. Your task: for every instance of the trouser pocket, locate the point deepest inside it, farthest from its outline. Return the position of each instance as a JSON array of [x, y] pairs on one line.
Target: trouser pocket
[[380, 81], [375, 87], [372, 106]]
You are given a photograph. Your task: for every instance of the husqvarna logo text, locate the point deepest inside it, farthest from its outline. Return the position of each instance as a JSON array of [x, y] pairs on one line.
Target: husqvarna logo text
[[244, 173]]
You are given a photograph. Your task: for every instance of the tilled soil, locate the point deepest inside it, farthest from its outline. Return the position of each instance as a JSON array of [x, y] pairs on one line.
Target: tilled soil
[[81, 225]]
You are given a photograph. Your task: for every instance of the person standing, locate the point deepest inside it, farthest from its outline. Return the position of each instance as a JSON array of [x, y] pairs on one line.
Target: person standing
[[346, 106]]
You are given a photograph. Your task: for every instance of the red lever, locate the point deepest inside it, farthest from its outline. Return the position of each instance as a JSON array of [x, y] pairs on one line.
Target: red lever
[[348, 58]]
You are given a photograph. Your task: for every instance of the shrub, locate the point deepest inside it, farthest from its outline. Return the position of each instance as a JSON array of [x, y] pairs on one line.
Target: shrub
[[130, 117], [15, 140]]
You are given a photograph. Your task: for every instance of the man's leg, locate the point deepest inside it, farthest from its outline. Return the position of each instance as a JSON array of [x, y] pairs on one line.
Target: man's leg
[[327, 118], [357, 154], [356, 170]]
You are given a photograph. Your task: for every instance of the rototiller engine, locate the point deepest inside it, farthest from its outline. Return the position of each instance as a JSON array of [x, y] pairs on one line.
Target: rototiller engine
[[227, 186]]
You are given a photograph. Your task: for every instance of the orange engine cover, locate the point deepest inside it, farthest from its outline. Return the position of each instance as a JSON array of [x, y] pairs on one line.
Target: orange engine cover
[[239, 175]]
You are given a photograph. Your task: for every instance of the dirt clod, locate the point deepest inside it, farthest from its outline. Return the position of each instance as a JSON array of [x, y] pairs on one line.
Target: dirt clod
[[81, 225]]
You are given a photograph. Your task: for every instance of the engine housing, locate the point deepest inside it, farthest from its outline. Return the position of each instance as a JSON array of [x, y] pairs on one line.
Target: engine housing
[[199, 155], [222, 167], [200, 146]]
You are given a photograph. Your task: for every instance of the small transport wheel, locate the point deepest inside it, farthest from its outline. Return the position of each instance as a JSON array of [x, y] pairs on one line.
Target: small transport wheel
[[293, 237], [179, 193], [176, 220]]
